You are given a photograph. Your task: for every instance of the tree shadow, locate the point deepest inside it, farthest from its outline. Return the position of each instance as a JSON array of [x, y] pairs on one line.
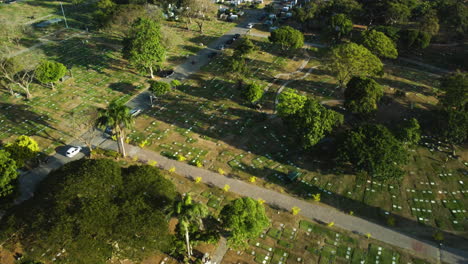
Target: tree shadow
[[124, 87]]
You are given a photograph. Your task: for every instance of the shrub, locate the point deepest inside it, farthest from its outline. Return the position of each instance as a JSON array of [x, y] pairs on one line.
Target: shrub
[[295, 210]]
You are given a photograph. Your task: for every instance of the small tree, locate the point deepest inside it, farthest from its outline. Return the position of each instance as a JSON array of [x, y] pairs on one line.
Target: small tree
[[295, 210], [350, 59], [17, 72], [379, 44], [50, 72], [316, 197], [159, 88], [410, 131], [252, 92], [413, 39], [287, 37], [429, 23], [8, 173], [244, 47], [237, 64], [22, 149], [245, 219], [289, 102], [340, 26], [226, 188], [362, 95], [143, 47]]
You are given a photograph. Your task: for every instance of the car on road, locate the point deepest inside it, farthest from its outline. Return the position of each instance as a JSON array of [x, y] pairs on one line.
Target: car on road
[[135, 111], [72, 151], [250, 25]]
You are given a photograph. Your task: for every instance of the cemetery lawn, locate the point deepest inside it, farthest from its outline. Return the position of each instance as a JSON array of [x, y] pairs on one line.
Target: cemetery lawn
[[206, 123]]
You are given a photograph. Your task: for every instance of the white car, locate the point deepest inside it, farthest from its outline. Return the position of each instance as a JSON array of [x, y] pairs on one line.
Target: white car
[[250, 25], [71, 152], [135, 112]]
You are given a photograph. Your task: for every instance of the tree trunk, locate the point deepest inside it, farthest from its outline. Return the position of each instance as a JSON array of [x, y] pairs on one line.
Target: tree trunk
[[187, 241], [53, 86], [200, 26], [122, 146], [28, 94], [151, 72]]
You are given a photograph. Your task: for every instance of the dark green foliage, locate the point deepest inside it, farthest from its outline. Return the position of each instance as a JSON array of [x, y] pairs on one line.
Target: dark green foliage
[[454, 14], [143, 47], [456, 91], [159, 88], [289, 102], [8, 173], [237, 64], [313, 122], [339, 27], [373, 149], [104, 11], [95, 210], [245, 47], [362, 95], [287, 37], [453, 125], [391, 32], [245, 219], [414, 39], [22, 149], [252, 92], [351, 8], [305, 13], [409, 131], [50, 72], [379, 44]]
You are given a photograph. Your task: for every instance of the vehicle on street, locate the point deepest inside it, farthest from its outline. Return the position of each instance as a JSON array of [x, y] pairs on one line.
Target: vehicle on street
[[71, 152], [250, 25], [236, 36], [135, 111]]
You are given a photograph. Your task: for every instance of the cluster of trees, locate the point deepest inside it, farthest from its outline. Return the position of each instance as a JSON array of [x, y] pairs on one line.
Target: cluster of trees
[[14, 156], [20, 73], [90, 211]]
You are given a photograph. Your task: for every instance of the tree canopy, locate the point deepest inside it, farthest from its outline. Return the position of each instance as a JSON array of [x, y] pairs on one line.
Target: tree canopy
[[22, 149], [313, 122], [350, 59], [340, 26], [245, 219], [93, 210], [244, 47], [289, 102], [362, 95], [373, 149], [287, 37], [252, 92], [409, 131], [456, 90], [50, 72], [412, 39], [8, 173], [159, 88], [379, 44], [143, 47]]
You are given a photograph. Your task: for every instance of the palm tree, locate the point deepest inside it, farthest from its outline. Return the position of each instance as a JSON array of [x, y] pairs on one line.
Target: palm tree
[[117, 116], [189, 214]]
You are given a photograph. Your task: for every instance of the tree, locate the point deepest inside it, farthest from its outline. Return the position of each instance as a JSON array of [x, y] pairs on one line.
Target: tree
[[414, 39], [198, 10], [396, 12], [456, 91], [389, 31], [117, 116], [351, 8], [17, 72], [453, 125], [313, 122], [454, 14], [379, 44], [252, 92], [245, 219], [8, 173], [289, 102], [350, 59], [409, 131], [237, 64], [373, 149], [305, 13], [339, 27], [362, 95], [82, 121], [143, 47], [22, 149], [104, 10], [159, 88], [50, 72], [244, 47], [287, 37], [95, 210], [190, 215], [429, 23]]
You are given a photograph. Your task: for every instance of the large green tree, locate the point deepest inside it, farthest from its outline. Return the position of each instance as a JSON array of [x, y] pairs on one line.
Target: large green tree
[[453, 125], [287, 37], [8, 173], [244, 47], [22, 149], [379, 44], [362, 95], [454, 14], [118, 117], [339, 27], [245, 219], [313, 122], [90, 211], [350, 59], [456, 91], [159, 88], [143, 47], [409, 131], [49, 72], [252, 92], [289, 102], [373, 149]]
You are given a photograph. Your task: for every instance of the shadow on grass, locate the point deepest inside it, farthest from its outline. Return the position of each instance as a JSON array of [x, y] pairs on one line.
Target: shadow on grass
[[124, 87]]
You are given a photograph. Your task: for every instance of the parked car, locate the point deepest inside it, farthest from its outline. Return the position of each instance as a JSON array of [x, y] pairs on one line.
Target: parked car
[[135, 111], [71, 152], [250, 25]]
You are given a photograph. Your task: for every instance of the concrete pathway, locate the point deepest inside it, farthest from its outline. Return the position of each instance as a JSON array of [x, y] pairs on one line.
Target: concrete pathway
[[221, 250]]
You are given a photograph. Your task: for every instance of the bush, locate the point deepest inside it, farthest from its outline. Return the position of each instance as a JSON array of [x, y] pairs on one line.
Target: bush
[[107, 153], [159, 88]]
